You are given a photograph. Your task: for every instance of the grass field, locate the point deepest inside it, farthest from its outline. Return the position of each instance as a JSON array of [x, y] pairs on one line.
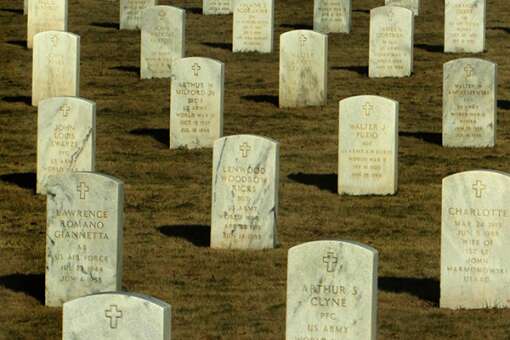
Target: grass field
[[220, 294]]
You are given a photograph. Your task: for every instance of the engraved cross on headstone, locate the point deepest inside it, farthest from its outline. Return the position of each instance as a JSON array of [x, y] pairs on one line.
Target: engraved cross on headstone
[[113, 314], [54, 40], [65, 110], [391, 15], [195, 69], [478, 188], [245, 148], [331, 261], [469, 70], [162, 13], [367, 109], [302, 40], [83, 189]]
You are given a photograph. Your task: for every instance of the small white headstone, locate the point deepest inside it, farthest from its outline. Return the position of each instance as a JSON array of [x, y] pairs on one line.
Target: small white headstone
[[475, 240], [253, 26], [332, 16], [244, 192], [196, 102], [464, 26], [116, 316], [56, 65], [213, 7], [83, 235], [391, 42], [413, 5], [45, 15], [469, 103], [368, 146], [332, 291], [131, 13], [303, 68], [163, 31], [66, 137]]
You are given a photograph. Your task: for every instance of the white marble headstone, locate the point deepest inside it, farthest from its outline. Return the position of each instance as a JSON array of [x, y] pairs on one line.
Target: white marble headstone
[[163, 42], [332, 16], [303, 69], [55, 65], [391, 42], [253, 26], [45, 15], [196, 102], [475, 240], [116, 316], [66, 137], [83, 235], [464, 26], [244, 192], [413, 5], [332, 291], [469, 103], [131, 13], [213, 7], [368, 146]]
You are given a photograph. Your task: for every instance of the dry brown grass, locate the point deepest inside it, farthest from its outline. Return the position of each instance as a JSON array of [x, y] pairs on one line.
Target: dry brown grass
[[240, 294]]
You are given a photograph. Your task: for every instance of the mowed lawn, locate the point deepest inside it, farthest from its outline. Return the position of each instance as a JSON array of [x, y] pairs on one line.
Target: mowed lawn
[[222, 294]]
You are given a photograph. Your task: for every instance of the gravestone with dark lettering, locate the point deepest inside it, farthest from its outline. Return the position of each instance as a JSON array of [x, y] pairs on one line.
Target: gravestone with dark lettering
[[391, 42], [332, 16], [83, 235], [368, 146], [45, 15], [475, 238], [56, 65], [116, 316], [469, 103], [163, 30], [303, 68], [66, 138], [464, 26], [413, 5], [244, 192], [131, 13], [196, 102], [213, 7], [332, 291], [253, 26]]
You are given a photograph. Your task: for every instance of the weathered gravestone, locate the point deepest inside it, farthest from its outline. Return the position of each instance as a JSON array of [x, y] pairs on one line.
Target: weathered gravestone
[[368, 146], [66, 138], [45, 15], [196, 102], [212, 7], [163, 31], [391, 42], [413, 5], [303, 68], [332, 16], [464, 26], [253, 26], [244, 192], [56, 65], [469, 103], [131, 13], [475, 238], [116, 316], [83, 235], [332, 291]]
